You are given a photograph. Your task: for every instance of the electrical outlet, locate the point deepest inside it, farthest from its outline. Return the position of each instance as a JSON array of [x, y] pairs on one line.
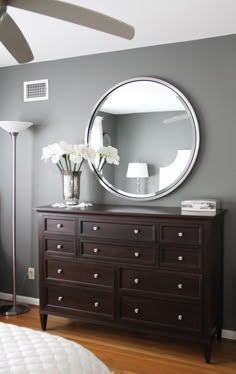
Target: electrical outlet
[[31, 273]]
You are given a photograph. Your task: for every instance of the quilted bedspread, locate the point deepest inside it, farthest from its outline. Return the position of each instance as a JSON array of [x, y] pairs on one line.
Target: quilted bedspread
[[24, 351]]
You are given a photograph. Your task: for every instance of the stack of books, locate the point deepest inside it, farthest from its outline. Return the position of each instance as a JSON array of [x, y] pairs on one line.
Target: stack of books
[[200, 207]]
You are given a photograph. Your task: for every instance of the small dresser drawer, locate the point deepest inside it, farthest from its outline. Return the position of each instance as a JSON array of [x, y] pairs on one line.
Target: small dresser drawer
[[151, 311], [82, 272], [65, 246], [122, 231], [65, 225], [179, 258], [81, 299], [134, 254], [181, 234], [169, 283]]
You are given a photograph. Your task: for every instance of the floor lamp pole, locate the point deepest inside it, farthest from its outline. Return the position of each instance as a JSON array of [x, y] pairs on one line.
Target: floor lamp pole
[[13, 309]]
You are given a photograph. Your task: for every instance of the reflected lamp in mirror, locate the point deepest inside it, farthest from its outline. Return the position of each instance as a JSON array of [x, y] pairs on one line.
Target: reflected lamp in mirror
[[137, 170]]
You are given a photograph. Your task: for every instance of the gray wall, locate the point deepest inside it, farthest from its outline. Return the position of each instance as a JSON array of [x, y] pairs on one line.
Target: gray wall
[[142, 137], [205, 71]]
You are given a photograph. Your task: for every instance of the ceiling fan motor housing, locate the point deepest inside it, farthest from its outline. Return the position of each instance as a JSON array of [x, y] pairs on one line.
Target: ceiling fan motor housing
[[3, 9]]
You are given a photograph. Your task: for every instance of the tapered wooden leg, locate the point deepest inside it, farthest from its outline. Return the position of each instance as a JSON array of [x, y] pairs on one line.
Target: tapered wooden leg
[[43, 319], [219, 333], [208, 349]]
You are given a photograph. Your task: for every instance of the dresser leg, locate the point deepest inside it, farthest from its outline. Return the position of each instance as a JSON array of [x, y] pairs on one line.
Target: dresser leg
[[219, 333], [43, 319], [208, 350]]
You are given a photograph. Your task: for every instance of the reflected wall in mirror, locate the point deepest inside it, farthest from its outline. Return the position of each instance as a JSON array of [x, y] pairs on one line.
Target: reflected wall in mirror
[[156, 132]]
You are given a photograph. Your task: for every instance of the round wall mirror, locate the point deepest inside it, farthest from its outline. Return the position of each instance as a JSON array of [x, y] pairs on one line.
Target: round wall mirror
[[155, 130]]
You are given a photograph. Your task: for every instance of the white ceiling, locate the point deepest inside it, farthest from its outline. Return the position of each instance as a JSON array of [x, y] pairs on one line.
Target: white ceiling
[[155, 21]]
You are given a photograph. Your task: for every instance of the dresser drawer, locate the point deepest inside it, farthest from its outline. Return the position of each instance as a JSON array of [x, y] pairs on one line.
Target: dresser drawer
[[80, 299], [124, 231], [180, 258], [60, 246], [181, 234], [82, 272], [65, 225], [134, 254], [152, 311], [169, 283]]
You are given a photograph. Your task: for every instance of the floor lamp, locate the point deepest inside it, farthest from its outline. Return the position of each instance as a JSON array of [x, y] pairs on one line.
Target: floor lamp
[[14, 128]]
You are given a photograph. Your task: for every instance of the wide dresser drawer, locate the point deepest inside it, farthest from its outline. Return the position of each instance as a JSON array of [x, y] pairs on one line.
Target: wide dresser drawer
[[135, 254], [169, 283], [80, 272], [167, 313], [80, 299], [123, 231]]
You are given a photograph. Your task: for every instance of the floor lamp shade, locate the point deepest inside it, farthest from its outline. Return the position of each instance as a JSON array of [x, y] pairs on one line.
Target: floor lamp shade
[[14, 128]]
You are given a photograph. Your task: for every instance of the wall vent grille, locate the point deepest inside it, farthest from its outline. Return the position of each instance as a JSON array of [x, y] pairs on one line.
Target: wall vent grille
[[36, 90]]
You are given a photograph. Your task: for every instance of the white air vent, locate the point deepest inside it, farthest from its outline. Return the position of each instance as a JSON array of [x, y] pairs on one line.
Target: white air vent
[[36, 90]]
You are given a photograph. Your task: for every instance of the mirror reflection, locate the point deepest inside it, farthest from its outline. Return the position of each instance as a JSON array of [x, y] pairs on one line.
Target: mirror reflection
[[155, 130]]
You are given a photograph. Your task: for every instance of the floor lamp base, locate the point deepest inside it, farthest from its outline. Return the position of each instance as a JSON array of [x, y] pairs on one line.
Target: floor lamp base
[[13, 310]]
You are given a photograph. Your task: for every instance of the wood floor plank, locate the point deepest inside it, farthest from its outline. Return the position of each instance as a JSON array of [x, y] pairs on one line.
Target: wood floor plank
[[130, 353]]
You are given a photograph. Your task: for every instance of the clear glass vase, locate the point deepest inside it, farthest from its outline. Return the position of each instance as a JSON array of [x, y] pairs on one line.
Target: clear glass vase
[[71, 186]]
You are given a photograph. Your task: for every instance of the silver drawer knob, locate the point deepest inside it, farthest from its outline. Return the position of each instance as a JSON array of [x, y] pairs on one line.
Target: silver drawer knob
[[136, 280], [96, 275], [136, 254], [59, 271], [59, 246], [95, 228], [60, 298], [96, 250], [180, 317], [180, 258], [136, 231], [136, 310], [180, 234], [96, 304], [180, 286], [59, 225]]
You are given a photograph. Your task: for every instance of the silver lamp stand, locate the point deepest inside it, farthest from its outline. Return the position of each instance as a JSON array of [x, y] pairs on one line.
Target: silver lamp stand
[[14, 309]]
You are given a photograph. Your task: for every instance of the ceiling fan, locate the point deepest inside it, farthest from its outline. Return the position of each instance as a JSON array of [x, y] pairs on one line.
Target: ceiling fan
[[14, 41]]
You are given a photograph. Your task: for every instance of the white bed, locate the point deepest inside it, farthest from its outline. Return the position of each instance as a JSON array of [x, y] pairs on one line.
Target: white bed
[[24, 351]]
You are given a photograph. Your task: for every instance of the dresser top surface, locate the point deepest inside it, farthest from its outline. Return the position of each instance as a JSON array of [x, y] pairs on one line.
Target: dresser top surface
[[129, 210]]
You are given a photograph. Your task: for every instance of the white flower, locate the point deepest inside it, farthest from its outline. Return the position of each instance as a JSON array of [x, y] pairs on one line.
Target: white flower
[[82, 152], [88, 153], [66, 148], [62, 154], [110, 154], [52, 152]]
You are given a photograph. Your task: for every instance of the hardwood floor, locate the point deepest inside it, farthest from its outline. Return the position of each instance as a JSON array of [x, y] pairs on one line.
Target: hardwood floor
[[128, 353]]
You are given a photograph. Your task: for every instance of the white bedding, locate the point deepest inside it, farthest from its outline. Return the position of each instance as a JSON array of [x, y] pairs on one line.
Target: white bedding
[[25, 351]]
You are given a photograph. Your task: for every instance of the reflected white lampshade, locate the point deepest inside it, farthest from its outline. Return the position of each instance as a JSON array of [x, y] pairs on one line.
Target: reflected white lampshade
[[15, 126], [137, 170]]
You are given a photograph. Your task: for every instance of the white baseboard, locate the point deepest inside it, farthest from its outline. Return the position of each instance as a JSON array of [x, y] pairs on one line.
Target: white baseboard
[[227, 334], [21, 299]]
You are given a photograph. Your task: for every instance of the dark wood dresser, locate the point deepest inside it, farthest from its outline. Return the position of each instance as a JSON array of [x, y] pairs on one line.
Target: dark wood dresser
[[151, 270]]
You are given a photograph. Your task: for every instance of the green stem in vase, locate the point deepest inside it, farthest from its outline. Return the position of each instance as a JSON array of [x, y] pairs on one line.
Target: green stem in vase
[[81, 164], [66, 162], [60, 165]]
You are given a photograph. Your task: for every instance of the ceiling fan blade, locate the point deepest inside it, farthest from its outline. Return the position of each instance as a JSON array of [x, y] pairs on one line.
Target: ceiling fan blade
[[76, 14], [14, 41]]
